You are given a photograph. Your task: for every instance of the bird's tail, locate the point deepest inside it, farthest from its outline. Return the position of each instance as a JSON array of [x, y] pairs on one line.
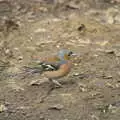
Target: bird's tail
[[32, 69], [26, 72]]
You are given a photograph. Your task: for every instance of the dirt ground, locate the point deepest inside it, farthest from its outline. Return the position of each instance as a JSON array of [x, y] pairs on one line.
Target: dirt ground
[[91, 91]]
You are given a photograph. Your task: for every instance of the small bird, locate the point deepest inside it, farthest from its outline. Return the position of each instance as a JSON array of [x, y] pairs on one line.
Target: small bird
[[64, 68], [54, 67]]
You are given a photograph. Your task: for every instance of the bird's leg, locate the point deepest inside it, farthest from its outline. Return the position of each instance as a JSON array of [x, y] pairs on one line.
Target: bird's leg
[[56, 82]]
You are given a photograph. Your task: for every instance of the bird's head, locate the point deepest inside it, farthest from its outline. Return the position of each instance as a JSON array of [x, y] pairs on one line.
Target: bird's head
[[65, 54]]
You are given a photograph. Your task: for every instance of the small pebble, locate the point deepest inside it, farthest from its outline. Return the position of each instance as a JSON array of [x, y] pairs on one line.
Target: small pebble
[[16, 48], [56, 107], [76, 74], [110, 20], [40, 30], [109, 51], [20, 58], [2, 108], [42, 118], [75, 64], [82, 87], [7, 51]]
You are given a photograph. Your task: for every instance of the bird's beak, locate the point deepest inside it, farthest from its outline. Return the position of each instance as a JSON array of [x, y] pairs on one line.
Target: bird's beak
[[74, 54]]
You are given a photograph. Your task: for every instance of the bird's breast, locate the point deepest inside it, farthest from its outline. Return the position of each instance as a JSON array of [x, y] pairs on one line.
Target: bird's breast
[[61, 72]]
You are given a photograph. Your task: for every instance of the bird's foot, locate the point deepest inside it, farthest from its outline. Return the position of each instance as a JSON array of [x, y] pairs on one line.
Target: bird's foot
[[57, 83]]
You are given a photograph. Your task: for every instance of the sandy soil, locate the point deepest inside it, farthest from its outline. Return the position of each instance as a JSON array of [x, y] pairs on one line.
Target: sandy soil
[[92, 89]]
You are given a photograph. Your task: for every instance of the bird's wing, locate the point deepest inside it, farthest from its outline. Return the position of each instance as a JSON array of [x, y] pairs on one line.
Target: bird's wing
[[63, 70]]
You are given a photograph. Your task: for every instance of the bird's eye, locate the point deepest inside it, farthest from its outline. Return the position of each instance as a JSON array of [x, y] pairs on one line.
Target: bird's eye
[[70, 53]]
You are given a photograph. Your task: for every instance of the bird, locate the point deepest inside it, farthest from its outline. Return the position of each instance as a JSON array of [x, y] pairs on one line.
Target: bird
[[54, 67], [64, 68]]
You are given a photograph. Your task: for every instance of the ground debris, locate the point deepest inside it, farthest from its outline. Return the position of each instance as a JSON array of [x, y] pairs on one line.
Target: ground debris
[[82, 87], [107, 76], [80, 75], [114, 51], [3, 108], [56, 107], [82, 28], [39, 82], [111, 108], [109, 51]]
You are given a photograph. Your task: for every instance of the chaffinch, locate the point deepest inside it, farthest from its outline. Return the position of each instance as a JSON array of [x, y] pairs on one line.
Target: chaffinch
[[54, 67]]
